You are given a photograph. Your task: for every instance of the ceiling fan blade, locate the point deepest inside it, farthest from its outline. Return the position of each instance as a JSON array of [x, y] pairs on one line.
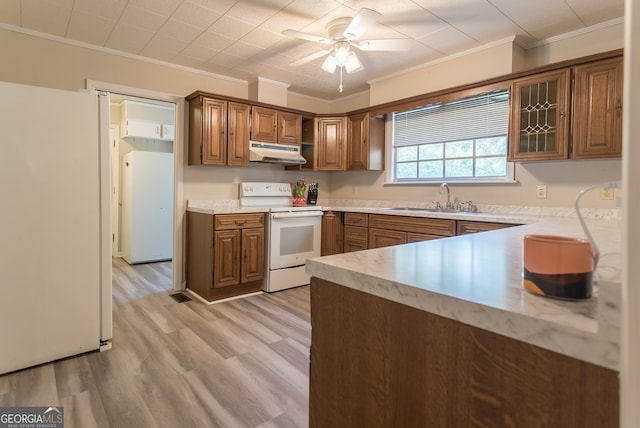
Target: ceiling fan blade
[[306, 36], [385, 45], [310, 58], [360, 23]]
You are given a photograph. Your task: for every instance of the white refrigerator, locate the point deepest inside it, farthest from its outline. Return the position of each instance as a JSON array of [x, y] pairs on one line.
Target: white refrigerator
[[55, 264], [147, 207]]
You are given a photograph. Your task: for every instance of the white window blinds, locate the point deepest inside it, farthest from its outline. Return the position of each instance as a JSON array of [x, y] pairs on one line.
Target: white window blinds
[[479, 116]]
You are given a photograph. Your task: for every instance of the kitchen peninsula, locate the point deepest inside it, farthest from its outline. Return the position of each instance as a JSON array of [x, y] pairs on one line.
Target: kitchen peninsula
[[441, 333]]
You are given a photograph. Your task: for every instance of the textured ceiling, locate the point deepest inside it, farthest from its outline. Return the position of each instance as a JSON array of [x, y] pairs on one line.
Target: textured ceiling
[[242, 39]]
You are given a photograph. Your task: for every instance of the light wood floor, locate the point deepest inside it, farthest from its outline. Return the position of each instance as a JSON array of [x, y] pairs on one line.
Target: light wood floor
[[241, 363]]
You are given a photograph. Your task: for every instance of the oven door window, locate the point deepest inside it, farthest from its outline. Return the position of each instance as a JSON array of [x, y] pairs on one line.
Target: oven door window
[[293, 241]]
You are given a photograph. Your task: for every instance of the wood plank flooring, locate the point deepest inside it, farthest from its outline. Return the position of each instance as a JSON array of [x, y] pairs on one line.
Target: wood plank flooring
[[241, 363]]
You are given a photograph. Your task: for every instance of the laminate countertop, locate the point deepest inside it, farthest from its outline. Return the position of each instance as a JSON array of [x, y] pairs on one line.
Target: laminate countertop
[[476, 279]]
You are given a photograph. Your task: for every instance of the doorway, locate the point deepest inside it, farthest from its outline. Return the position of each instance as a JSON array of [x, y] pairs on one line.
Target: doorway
[[111, 211], [142, 136]]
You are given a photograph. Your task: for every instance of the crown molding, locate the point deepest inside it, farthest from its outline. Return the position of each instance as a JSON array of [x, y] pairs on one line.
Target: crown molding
[[581, 31]]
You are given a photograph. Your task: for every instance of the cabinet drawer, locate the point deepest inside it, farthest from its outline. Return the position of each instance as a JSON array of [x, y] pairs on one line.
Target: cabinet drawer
[[355, 238], [465, 226], [356, 219], [238, 221], [419, 237], [355, 233], [428, 226], [350, 246], [385, 238]]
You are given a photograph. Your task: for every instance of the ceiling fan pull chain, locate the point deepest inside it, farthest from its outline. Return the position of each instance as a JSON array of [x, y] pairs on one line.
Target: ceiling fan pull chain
[[340, 87]]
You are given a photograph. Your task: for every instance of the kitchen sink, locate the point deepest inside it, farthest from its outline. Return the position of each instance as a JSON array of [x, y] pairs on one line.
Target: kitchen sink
[[425, 210], [431, 210]]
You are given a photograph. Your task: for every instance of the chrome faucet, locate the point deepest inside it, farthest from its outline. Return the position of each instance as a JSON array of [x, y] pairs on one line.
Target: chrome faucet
[[449, 205]]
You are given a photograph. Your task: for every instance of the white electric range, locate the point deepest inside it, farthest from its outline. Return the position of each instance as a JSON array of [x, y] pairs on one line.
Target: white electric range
[[293, 233]]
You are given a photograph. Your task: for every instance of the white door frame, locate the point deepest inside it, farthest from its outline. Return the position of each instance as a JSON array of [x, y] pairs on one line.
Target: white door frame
[[178, 157]]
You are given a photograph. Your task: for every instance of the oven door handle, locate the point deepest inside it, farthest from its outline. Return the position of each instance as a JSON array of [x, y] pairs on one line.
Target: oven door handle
[[297, 214]]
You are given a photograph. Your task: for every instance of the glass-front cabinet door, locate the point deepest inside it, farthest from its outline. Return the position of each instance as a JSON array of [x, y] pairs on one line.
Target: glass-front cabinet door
[[540, 117]]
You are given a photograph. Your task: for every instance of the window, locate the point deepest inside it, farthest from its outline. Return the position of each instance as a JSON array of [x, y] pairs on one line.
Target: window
[[465, 139]]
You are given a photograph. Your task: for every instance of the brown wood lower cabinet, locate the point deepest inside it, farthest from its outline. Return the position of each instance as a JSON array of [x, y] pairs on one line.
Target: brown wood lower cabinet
[[355, 232], [225, 254], [363, 231], [332, 233], [386, 237], [386, 230], [465, 227], [377, 363]]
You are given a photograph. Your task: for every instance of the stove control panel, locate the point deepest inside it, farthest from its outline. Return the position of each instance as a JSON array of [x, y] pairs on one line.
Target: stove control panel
[[264, 189]]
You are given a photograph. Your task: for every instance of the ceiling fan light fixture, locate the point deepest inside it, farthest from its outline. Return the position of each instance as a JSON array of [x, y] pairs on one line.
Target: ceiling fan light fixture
[[329, 65], [342, 53], [353, 63]]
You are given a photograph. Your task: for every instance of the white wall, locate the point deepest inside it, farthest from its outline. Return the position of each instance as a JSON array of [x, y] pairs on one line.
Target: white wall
[[564, 179], [37, 61], [204, 182], [473, 66]]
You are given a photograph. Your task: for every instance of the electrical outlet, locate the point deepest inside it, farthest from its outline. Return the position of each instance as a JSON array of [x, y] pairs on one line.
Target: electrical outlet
[[606, 193], [541, 192]]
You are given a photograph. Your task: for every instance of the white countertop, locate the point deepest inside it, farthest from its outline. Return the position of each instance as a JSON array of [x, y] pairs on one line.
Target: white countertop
[[221, 207], [477, 279]]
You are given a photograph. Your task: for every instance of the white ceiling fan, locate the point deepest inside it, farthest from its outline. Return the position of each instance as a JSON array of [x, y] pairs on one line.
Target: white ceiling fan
[[343, 33]]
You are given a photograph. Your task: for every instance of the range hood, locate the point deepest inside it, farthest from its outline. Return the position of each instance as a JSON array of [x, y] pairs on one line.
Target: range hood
[[275, 153]]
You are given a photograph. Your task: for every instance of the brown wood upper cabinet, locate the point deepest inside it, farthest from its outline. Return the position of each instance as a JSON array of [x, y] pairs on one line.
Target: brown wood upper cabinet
[[330, 143], [540, 117], [550, 121], [365, 142], [597, 109], [238, 118], [274, 126], [289, 128], [264, 124], [218, 132]]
